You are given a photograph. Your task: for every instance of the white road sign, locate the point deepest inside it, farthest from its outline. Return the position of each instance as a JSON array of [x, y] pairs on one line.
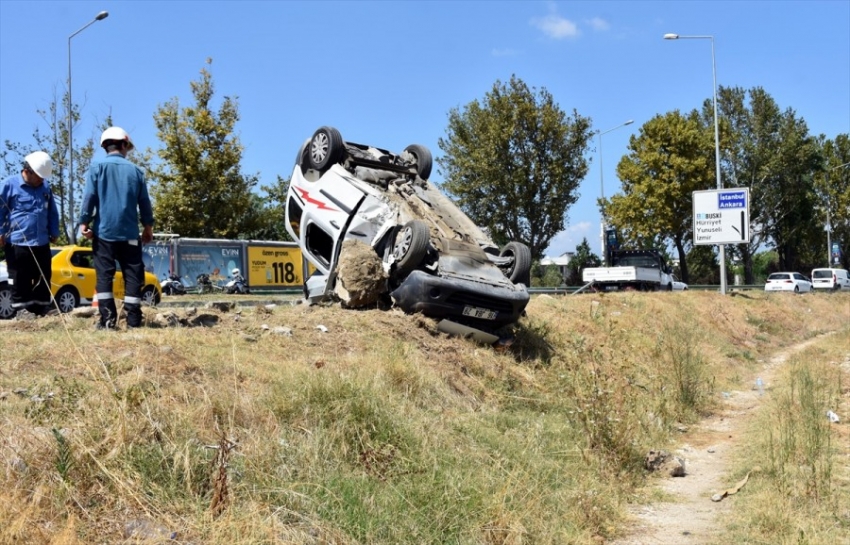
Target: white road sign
[[722, 216]]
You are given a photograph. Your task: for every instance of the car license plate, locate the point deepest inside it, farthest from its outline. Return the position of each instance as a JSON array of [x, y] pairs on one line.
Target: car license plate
[[483, 313]]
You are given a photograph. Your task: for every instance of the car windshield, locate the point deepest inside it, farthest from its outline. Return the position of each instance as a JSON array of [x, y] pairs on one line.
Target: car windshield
[[826, 273], [779, 276]]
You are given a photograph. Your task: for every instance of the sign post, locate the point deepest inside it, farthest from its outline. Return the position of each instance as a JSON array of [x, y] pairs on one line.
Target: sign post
[[722, 216]]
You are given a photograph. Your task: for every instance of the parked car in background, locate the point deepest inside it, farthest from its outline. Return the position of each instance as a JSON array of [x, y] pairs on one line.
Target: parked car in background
[[73, 280], [830, 279], [788, 281], [677, 285], [6, 311], [437, 260]]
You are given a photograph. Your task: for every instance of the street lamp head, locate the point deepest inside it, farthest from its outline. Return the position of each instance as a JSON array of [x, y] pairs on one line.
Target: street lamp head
[[629, 122], [101, 16], [671, 36]]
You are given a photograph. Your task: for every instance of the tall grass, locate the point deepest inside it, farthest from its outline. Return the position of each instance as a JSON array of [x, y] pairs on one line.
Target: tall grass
[[381, 431], [802, 494]]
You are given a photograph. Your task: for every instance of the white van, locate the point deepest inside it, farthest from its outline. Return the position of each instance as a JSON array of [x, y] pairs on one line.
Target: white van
[[830, 279]]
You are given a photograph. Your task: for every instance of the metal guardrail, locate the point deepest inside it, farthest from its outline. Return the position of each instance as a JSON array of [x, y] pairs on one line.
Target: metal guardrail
[[570, 290]]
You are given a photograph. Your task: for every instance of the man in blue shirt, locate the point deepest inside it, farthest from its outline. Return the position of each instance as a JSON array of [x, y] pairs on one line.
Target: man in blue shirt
[[115, 199], [30, 223]]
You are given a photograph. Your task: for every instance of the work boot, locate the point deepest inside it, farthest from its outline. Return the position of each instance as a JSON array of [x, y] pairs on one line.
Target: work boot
[[108, 315], [134, 314]]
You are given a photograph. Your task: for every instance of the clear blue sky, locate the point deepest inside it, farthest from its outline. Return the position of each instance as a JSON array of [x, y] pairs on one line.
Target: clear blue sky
[[387, 73]]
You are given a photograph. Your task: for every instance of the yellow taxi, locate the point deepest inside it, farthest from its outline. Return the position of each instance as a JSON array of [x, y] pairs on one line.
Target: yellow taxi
[[73, 279]]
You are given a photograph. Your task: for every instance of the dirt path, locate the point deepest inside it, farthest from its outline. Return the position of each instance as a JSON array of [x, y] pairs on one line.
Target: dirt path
[[690, 518]]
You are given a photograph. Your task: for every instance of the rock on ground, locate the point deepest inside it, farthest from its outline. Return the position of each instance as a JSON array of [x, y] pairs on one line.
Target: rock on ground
[[361, 279]]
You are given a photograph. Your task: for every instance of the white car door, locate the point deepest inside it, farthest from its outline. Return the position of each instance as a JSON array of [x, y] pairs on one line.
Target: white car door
[[326, 207]]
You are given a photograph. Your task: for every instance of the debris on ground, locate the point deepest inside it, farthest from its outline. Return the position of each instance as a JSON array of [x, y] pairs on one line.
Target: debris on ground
[[738, 486], [361, 280], [661, 460]]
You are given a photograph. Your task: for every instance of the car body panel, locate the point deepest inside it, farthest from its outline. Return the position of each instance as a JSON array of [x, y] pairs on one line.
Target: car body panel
[[371, 195]]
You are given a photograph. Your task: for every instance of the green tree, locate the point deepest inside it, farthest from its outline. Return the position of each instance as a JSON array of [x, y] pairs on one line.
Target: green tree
[[832, 188], [270, 212], [54, 141], [197, 187], [790, 216], [583, 258], [546, 276], [513, 163], [703, 267], [770, 152], [668, 160]]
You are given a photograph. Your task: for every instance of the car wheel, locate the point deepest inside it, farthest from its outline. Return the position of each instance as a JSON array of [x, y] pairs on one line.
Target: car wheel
[[67, 299], [424, 161], [149, 296], [326, 148], [796, 289], [6, 309], [411, 245], [520, 269]]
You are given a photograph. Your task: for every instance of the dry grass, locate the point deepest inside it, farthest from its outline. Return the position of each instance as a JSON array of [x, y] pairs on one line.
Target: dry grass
[[802, 494], [381, 430]]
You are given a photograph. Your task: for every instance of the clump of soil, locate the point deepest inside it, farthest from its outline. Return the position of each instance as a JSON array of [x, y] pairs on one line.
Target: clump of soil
[[361, 280]]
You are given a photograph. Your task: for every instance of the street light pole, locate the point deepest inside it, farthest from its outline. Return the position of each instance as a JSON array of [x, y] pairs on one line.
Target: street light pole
[[716, 142], [73, 232], [602, 184]]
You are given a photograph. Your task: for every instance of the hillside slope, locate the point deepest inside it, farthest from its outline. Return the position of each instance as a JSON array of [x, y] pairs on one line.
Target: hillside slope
[[320, 425]]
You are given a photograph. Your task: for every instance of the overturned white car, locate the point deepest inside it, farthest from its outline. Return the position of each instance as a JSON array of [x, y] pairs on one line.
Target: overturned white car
[[436, 259]]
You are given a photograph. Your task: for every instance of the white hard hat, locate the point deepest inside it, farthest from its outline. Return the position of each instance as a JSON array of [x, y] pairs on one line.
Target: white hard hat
[[118, 134], [40, 163], [234, 272]]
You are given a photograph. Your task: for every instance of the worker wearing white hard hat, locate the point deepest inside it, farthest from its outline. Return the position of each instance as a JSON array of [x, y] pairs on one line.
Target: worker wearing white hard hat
[[115, 201], [30, 223]]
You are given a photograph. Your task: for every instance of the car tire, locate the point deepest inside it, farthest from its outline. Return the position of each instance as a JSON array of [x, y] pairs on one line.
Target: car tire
[[67, 299], [520, 270], [149, 296], [796, 289], [424, 161], [411, 245], [6, 309], [326, 148]]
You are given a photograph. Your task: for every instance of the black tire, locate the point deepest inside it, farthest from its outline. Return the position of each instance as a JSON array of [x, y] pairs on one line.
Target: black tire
[[150, 297], [411, 245], [519, 271], [67, 299], [326, 148], [6, 309], [424, 161], [796, 289]]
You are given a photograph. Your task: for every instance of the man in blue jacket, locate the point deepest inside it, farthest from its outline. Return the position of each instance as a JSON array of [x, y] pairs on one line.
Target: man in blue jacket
[[30, 223], [115, 199]]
